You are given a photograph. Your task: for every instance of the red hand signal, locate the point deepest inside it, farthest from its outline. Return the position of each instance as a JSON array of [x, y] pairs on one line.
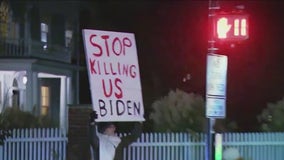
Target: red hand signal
[[223, 27]]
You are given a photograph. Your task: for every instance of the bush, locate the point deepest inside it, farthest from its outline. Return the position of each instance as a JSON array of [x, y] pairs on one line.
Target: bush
[[15, 118], [271, 118], [179, 112]]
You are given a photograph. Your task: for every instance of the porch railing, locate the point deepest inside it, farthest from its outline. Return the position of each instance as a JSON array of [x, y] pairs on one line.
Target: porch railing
[[20, 48], [13, 48]]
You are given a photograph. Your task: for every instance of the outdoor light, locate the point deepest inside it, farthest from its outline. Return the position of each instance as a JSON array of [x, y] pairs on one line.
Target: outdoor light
[[25, 79], [45, 46]]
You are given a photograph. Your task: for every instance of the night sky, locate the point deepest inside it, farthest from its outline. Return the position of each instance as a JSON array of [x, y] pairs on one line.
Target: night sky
[[171, 39]]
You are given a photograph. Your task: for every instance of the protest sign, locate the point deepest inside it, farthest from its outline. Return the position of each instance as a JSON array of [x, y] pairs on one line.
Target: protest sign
[[114, 76]]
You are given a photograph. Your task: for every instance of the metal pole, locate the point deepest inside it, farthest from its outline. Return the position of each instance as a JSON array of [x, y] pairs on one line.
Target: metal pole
[[211, 50], [210, 139], [211, 13]]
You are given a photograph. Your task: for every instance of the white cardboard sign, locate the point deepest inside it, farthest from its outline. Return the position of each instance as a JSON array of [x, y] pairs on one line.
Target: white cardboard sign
[[114, 75]]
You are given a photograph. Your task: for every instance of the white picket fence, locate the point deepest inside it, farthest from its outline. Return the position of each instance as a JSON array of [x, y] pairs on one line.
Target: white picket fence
[[35, 144], [257, 146], [182, 146], [50, 144]]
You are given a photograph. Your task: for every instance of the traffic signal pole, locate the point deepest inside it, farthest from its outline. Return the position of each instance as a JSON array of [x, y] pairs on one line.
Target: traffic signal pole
[[228, 27], [211, 51], [211, 13]]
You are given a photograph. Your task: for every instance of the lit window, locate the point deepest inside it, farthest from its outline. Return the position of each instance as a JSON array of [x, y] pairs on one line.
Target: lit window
[[44, 100], [44, 34], [68, 38]]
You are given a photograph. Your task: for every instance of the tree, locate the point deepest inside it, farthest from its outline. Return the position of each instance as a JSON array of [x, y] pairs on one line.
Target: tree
[[271, 118], [179, 112]]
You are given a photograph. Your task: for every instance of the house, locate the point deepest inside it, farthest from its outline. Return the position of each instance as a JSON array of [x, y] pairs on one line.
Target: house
[[39, 56]]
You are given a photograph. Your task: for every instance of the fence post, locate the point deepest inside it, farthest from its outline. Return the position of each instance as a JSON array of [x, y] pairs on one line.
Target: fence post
[[1, 152]]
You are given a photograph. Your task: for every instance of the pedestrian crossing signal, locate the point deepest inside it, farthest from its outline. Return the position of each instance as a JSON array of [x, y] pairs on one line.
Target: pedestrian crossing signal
[[232, 27]]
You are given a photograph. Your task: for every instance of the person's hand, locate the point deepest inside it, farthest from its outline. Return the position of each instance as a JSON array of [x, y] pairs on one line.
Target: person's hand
[[93, 116]]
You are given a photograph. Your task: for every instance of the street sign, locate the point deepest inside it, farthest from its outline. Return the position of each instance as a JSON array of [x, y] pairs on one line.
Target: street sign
[[215, 107], [216, 78]]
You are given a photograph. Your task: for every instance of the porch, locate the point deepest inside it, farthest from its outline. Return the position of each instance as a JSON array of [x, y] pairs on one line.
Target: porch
[[40, 91], [21, 48]]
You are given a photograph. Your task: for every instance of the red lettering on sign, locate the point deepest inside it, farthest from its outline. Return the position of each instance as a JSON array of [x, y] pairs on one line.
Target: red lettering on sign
[[109, 91], [126, 43], [107, 68], [92, 66], [98, 54], [105, 37], [132, 70], [118, 82], [117, 47]]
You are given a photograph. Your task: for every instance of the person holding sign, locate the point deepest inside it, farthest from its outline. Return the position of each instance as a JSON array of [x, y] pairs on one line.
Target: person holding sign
[[109, 145], [116, 91]]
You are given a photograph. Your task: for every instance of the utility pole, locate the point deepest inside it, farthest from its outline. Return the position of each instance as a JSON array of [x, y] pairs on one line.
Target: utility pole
[[211, 51]]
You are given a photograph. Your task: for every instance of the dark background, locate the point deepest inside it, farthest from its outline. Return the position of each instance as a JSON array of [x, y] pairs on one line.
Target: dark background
[[172, 37]]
